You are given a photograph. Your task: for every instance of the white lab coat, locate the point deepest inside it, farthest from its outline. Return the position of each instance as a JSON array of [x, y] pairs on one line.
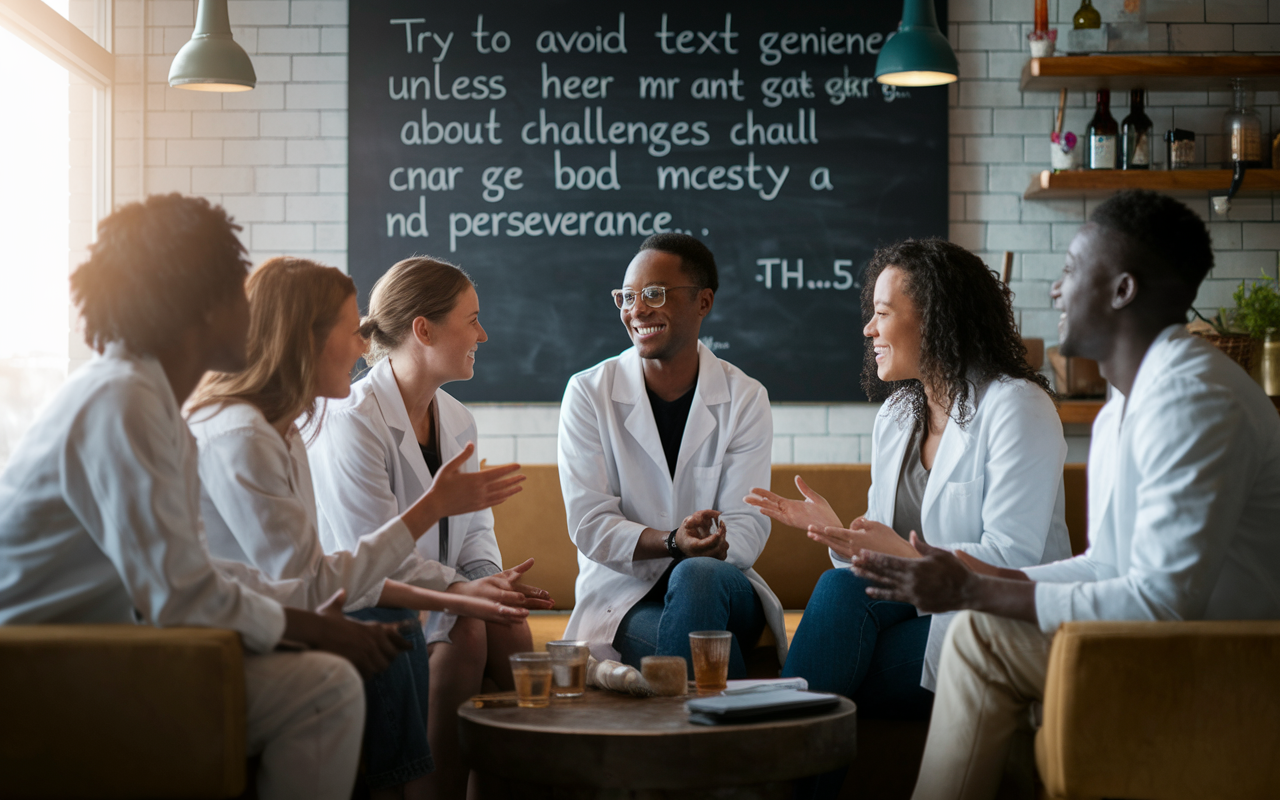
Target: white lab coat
[[616, 483], [995, 489], [100, 514], [1184, 498], [259, 508], [368, 467]]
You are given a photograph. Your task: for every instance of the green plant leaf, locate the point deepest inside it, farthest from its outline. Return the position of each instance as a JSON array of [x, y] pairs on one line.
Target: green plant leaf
[[1257, 306]]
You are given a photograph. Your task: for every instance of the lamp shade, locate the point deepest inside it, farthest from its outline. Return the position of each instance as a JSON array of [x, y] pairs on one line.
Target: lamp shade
[[918, 54], [212, 61]]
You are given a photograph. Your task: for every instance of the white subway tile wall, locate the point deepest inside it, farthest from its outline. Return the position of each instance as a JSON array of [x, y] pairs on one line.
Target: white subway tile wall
[[276, 156]]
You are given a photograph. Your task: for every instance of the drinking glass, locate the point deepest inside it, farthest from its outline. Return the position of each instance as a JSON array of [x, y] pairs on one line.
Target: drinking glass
[[568, 667], [532, 673], [710, 659]]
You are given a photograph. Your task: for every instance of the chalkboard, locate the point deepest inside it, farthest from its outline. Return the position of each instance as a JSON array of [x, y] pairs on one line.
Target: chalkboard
[[536, 144]]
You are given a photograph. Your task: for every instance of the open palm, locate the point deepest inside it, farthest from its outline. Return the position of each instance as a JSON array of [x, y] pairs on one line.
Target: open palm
[[812, 510]]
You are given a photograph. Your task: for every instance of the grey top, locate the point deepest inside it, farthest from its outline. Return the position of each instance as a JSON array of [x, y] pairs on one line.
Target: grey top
[[911, 482]]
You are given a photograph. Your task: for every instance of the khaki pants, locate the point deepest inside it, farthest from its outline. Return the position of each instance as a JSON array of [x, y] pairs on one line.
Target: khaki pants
[[992, 670], [305, 715]]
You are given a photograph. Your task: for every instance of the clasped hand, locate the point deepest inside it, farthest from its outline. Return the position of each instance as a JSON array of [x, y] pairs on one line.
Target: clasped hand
[[703, 534], [369, 646], [502, 597], [934, 580]]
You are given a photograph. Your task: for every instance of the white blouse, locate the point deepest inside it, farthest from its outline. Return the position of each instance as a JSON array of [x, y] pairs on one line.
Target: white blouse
[[259, 508]]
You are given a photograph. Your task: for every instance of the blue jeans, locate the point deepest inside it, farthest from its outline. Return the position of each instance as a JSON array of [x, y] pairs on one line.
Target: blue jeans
[[871, 651], [701, 594], [395, 724]]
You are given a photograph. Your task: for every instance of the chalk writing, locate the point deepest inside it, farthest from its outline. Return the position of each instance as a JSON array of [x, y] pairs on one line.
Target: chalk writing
[[538, 144]]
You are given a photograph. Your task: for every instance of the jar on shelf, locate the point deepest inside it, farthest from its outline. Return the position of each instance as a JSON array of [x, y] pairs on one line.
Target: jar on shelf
[[1180, 149], [1269, 370], [1242, 128]]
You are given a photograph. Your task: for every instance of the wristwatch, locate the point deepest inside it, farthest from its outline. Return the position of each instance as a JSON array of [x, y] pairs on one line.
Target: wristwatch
[[672, 549]]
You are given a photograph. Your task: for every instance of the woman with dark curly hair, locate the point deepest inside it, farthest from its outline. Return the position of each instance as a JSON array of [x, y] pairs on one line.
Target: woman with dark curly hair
[[967, 454]]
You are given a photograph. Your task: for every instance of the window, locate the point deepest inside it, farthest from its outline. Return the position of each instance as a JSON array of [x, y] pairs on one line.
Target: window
[[50, 198]]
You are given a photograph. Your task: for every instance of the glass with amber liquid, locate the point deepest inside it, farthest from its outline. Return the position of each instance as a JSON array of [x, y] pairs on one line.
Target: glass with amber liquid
[[532, 674], [710, 650]]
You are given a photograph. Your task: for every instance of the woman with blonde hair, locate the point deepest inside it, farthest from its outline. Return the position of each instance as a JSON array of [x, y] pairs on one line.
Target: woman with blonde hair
[[379, 447], [259, 508]]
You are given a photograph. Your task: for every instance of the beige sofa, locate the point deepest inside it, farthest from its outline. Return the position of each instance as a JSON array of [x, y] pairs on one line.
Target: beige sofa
[[1154, 710], [121, 711], [533, 524]]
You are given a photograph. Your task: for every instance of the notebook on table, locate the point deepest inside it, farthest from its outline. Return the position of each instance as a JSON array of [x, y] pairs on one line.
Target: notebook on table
[[758, 706]]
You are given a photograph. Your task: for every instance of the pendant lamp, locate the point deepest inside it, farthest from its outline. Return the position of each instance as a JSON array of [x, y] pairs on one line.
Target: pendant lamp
[[212, 61], [918, 54]]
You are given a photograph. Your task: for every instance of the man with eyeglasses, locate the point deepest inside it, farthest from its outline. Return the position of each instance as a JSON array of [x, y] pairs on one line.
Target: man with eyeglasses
[[658, 446]]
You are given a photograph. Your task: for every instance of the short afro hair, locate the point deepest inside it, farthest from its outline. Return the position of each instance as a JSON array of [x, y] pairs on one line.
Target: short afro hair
[[695, 257], [157, 266], [1168, 232]]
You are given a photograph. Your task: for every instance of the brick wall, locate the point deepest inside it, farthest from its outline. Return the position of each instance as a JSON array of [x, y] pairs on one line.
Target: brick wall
[[276, 158]]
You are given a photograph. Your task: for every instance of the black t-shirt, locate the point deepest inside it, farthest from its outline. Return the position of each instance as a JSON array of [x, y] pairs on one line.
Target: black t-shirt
[[671, 418], [433, 466]]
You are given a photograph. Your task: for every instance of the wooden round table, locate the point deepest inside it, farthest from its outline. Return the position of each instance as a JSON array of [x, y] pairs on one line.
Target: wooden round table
[[595, 745]]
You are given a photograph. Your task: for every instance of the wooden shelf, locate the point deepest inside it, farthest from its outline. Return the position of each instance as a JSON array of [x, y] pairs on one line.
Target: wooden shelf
[[1079, 412], [1160, 73], [1091, 183]]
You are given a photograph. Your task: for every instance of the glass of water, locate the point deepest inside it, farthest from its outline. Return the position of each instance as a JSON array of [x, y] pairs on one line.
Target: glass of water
[[568, 667]]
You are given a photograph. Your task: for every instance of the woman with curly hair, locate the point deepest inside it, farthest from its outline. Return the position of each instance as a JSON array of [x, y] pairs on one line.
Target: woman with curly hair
[[967, 454]]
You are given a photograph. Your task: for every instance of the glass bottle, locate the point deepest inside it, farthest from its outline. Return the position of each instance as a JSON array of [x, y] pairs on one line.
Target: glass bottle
[[1086, 16], [1135, 135], [1102, 135], [1242, 128]]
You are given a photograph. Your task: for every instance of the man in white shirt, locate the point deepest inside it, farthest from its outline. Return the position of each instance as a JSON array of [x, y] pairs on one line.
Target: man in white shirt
[[100, 501], [658, 447], [1183, 505]]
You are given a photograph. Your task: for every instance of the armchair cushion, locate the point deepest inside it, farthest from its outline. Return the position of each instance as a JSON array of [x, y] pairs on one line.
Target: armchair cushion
[[121, 711], [1162, 710]]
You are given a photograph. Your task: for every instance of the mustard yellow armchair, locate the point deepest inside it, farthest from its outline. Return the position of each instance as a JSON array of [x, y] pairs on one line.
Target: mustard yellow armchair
[[1162, 711], [121, 711]]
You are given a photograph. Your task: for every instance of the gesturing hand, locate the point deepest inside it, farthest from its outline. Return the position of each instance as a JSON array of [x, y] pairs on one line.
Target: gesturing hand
[[369, 646], [813, 510], [862, 534], [456, 492], [703, 534], [934, 582], [505, 591]]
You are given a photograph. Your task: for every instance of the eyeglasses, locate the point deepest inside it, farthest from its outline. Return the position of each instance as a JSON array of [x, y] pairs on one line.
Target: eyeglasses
[[654, 296]]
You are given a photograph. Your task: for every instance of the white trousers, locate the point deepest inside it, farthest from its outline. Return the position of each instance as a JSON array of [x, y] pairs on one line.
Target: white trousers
[[992, 670], [305, 715]]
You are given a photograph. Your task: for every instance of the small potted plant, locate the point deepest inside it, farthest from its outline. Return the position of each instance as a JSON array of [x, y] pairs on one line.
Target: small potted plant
[[1062, 150], [1253, 323], [1042, 42], [1258, 313]]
